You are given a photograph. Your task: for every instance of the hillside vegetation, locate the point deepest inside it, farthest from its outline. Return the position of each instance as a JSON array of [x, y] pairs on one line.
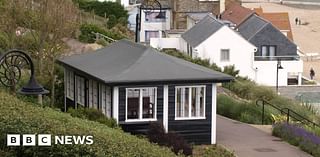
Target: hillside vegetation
[[18, 117]]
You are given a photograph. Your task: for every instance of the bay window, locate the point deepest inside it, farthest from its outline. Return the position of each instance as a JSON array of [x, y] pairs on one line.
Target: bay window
[[141, 104], [190, 102]]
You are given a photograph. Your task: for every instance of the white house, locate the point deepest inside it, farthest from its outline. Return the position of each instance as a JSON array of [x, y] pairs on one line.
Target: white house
[[154, 24], [211, 39]]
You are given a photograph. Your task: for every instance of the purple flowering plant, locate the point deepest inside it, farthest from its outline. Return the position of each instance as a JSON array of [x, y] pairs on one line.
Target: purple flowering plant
[[297, 135]]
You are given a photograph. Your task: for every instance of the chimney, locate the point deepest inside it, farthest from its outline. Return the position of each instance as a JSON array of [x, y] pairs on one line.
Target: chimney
[[222, 5]]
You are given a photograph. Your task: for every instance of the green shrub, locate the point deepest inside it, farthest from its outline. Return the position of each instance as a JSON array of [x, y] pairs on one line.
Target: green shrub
[[88, 30], [211, 151], [298, 136], [231, 70], [199, 61], [94, 115], [17, 117], [103, 8], [112, 21], [246, 112]]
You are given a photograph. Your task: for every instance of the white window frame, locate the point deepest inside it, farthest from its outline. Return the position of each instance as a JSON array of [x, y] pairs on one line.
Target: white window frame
[[222, 55], [190, 103], [141, 119]]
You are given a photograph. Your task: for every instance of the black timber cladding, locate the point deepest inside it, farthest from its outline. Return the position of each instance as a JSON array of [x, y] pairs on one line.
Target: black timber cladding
[[194, 131], [138, 127]]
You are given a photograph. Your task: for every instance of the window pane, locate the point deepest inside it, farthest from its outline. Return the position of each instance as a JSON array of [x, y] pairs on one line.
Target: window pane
[[186, 102], [148, 97], [72, 85], [179, 102], [152, 17], [225, 55], [90, 93], [133, 103], [272, 51], [151, 34], [108, 101], [95, 94], [201, 101], [193, 101], [264, 51]]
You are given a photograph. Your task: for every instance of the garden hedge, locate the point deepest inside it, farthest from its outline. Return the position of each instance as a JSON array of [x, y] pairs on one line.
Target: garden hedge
[[18, 117]]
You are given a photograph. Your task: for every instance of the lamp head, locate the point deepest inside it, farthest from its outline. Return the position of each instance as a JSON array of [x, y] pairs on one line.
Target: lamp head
[[33, 88]]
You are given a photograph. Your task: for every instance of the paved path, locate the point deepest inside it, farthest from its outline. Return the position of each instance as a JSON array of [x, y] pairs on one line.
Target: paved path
[[248, 141]]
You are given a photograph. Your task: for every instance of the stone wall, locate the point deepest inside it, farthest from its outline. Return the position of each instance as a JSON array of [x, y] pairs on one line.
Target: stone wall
[[181, 7]]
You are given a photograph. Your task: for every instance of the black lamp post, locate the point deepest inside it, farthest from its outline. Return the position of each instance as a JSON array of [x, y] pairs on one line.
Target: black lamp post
[[11, 64], [148, 7], [278, 67]]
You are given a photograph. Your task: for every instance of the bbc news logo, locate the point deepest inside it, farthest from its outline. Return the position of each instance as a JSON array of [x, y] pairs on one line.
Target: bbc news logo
[[46, 140]]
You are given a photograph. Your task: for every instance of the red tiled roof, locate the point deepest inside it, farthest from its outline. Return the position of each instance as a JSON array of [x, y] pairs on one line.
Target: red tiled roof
[[236, 14], [279, 20]]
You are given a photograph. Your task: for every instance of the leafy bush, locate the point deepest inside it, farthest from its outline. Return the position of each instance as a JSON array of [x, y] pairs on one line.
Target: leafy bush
[[94, 115], [199, 61], [231, 70], [88, 30], [211, 151], [17, 117], [103, 8], [246, 112], [112, 21], [298, 136], [156, 134]]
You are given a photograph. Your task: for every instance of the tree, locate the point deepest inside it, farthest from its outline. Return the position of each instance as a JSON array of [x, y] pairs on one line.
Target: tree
[[46, 22]]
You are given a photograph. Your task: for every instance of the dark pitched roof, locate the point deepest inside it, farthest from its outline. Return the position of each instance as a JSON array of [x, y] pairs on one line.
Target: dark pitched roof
[[252, 26], [197, 16], [281, 21], [237, 14], [128, 62], [202, 30]]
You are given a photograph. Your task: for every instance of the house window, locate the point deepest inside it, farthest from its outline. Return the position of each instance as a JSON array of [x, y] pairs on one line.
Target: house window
[[105, 100], [189, 50], [70, 84], [151, 34], [190, 102], [154, 17], [268, 51], [225, 55], [93, 94], [80, 84], [141, 104]]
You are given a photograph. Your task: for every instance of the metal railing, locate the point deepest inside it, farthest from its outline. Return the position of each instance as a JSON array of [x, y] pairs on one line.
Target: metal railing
[[99, 35], [275, 58], [286, 111]]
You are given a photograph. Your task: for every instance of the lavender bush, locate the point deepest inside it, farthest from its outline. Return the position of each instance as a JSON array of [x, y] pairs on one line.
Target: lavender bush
[[298, 136]]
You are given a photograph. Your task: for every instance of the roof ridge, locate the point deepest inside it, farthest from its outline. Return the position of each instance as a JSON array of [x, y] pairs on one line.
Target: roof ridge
[[263, 26], [134, 64]]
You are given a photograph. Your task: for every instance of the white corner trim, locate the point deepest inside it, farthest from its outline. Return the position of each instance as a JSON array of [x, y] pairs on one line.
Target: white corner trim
[[214, 114], [115, 104], [165, 107]]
